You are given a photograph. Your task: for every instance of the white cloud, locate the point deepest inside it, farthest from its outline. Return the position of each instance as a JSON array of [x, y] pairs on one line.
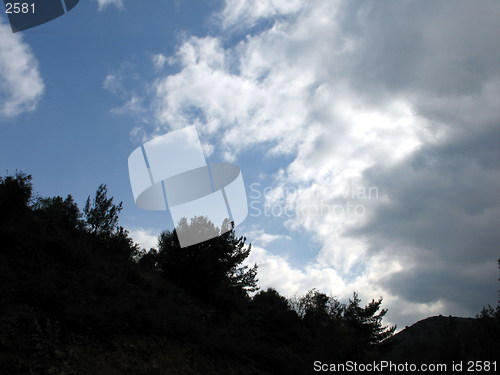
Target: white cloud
[[113, 83], [361, 95], [159, 60], [262, 238], [21, 84], [146, 238], [246, 13], [274, 271], [124, 83], [103, 4], [135, 105], [239, 104]]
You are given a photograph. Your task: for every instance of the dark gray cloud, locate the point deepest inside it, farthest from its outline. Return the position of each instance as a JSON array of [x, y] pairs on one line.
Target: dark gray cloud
[[459, 284], [442, 209], [424, 46], [443, 205]]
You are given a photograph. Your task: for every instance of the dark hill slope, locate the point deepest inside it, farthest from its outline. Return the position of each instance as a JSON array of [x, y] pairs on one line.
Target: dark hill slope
[[438, 338], [75, 306], [77, 297]]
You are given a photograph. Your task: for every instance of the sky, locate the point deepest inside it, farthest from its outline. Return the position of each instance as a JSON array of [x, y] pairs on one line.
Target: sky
[[367, 132]]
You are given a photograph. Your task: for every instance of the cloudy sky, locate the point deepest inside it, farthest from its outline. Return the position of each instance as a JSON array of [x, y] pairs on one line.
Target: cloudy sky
[[367, 132]]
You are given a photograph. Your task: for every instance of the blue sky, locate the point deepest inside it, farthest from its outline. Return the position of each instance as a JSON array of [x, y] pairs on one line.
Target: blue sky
[[72, 118], [373, 128]]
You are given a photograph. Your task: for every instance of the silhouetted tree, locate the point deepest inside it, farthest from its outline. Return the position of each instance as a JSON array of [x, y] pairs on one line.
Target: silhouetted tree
[[15, 195], [148, 258], [488, 312], [366, 322], [102, 222], [57, 211], [271, 299], [341, 331], [317, 305], [211, 269], [273, 319], [327, 334], [102, 214]]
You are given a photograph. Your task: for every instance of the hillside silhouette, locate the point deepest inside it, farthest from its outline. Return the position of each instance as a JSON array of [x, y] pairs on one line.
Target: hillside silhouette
[[445, 339], [77, 296]]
